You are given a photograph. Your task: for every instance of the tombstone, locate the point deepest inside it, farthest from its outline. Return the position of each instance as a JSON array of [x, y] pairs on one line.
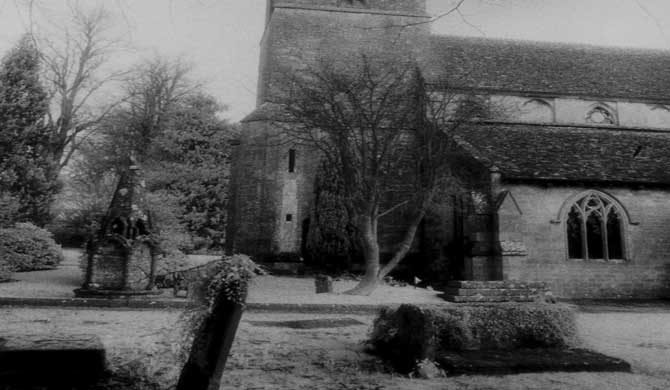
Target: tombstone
[[324, 284], [121, 259], [211, 344]]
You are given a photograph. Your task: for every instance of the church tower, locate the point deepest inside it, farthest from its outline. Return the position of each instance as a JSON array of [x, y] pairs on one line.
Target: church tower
[[272, 177]]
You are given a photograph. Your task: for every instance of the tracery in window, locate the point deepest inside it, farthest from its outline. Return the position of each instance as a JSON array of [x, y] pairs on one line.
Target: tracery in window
[[594, 228], [601, 115]]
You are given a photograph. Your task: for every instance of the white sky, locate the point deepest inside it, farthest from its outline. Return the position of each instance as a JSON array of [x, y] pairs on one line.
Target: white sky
[[221, 37]]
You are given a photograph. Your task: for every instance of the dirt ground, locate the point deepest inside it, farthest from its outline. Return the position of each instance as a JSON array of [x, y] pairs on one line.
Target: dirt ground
[[268, 355]]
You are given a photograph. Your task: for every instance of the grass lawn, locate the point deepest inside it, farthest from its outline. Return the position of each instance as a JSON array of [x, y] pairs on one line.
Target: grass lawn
[[269, 355], [61, 282]]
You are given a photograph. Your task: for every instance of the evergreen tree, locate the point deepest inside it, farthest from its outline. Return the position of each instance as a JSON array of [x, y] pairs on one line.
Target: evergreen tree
[[27, 174], [332, 238], [191, 159]]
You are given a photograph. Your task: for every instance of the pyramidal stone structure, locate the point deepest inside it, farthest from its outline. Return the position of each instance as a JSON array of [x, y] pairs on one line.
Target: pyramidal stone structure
[[122, 257]]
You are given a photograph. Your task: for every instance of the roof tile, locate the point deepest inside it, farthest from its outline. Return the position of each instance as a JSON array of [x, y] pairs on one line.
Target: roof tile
[[560, 153]]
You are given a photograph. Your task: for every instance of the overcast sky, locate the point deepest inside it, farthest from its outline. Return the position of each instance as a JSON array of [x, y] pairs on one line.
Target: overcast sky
[[221, 37]]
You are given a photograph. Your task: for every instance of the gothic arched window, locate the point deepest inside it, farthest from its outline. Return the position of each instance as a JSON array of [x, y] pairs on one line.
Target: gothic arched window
[[594, 228]]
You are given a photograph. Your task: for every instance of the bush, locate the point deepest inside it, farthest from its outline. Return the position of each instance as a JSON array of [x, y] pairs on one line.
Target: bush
[[413, 333], [74, 227], [26, 247], [165, 214]]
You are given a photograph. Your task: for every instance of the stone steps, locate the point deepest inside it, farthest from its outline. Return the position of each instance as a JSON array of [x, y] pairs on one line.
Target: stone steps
[[472, 291], [488, 299], [479, 284], [490, 291]]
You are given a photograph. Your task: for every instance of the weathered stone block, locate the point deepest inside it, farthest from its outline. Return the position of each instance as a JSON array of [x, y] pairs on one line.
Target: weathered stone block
[[53, 360]]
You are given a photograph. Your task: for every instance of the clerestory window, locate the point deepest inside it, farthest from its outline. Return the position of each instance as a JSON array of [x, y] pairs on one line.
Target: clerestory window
[[594, 227]]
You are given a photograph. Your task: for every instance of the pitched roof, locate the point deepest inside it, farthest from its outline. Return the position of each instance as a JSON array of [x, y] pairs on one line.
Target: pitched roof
[[572, 154], [539, 67]]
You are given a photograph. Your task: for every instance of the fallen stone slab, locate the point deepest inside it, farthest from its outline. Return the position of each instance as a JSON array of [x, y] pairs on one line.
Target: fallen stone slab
[[500, 362], [51, 360]]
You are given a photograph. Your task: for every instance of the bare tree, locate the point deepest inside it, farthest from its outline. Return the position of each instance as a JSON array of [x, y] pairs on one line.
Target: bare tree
[[379, 129], [152, 91], [73, 71]]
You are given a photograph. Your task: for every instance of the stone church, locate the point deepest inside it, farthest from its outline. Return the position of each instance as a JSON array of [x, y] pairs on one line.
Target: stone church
[[576, 173]]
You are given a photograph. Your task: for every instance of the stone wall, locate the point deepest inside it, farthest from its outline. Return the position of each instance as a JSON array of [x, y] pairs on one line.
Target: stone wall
[[299, 38], [109, 266], [645, 273], [270, 204]]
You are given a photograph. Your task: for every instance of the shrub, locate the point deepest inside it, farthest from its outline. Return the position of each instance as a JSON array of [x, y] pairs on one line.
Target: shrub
[[27, 247], [74, 227], [165, 214], [412, 333]]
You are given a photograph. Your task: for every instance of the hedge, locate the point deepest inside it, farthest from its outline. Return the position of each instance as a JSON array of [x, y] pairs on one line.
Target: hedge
[[26, 247], [413, 333]]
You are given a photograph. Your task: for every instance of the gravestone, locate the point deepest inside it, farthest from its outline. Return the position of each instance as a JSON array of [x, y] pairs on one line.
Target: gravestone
[[211, 345], [324, 284]]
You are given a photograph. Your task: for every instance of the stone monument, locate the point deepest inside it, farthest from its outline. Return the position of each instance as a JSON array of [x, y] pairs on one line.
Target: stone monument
[[121, 258]]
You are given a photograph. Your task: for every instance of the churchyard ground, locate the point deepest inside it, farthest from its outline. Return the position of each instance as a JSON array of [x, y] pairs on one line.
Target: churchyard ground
[[267, 354], [270, 354]]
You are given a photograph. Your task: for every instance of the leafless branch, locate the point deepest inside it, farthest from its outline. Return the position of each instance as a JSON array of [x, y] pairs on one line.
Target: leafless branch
[[74, 63]]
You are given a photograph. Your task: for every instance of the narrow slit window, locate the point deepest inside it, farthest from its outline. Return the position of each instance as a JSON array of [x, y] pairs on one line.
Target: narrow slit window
[[291, 160], [289, 217]]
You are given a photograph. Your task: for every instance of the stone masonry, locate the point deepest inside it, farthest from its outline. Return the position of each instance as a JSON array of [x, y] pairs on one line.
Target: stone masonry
[[572, 119], [270, 203]]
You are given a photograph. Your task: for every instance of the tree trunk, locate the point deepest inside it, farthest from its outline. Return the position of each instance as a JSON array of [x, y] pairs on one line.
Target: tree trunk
[[405, 245], [368, 228]]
